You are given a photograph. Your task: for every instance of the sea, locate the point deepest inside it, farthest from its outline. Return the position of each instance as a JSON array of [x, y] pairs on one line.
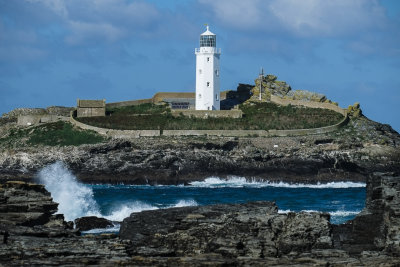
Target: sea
[[342, 200]]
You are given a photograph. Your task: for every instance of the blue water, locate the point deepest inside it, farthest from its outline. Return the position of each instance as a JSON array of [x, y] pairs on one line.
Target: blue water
[[342, 203], [343, 200]]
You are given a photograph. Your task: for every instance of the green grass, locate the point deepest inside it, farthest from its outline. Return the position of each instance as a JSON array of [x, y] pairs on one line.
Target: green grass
[[51, 134], [260, 116], [146, 108]]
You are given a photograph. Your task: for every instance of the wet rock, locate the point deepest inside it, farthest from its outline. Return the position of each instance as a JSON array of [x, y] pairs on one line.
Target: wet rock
[[25, 204], [92, 222], [26, 240], [250, 234], [377, 227], [253, 230]]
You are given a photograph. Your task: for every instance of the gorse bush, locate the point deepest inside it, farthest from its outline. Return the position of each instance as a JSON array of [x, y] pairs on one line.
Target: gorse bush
[[256, 116]]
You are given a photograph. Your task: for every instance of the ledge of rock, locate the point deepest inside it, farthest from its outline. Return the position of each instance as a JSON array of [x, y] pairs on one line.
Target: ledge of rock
[[251, 230], [92, 222]]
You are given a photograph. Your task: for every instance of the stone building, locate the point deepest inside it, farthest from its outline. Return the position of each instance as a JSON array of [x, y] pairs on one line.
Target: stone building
[[91, 108]]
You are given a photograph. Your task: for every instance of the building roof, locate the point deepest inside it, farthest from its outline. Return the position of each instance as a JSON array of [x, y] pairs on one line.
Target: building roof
[[158, 97], [91, 103], [207, 32]]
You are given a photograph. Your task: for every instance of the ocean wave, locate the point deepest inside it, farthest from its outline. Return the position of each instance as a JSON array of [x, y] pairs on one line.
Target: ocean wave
[[185, 203], [114, 229], [74, 199], [237, 182], [124, 210], [338, 213]]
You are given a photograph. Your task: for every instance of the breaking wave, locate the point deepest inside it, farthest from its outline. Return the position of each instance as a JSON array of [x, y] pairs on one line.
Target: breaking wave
[[236, 182], [76, 199]]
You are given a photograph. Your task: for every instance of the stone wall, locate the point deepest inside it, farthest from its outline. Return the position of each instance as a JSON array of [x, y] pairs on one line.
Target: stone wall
[[208, 113], [124, 134], [91, 112], [222, 113], [28, 120]]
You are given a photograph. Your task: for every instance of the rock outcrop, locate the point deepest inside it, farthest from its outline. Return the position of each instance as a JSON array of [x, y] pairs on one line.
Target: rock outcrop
[[377, 227], [249, 234], [92, 222], [53, 110], [32, 235], [254, 230], [256, 234]]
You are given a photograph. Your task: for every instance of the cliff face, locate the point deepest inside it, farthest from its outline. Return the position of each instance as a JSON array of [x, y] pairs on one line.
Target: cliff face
[[219, 235]]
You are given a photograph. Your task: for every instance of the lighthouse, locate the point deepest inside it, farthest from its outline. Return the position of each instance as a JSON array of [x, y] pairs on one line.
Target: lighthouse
[[207, 72]]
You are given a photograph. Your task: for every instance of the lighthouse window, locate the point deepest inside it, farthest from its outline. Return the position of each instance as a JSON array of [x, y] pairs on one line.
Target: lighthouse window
[[200, 71], [208, 84], [216, 97], [208, 59], [217, 73], [208, 40]]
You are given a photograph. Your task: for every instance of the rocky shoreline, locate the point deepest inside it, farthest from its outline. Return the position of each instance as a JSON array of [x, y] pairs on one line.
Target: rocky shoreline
[[361, 148], [217, 235]]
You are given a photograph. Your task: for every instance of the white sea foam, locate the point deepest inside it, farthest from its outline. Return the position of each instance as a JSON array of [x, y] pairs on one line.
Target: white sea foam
[[114, 229], [75, 199], [185, 203], [237, 182], [124, 210], [338, 213]]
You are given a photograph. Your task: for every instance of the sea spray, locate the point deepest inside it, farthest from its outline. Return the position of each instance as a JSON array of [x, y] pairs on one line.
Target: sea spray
[[120, 212], [239, 182], [75, 199]]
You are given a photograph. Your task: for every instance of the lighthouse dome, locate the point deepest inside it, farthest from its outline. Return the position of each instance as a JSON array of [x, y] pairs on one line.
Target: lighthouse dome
[[208, 39]]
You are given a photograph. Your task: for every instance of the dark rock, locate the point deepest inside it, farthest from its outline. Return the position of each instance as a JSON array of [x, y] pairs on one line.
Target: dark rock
[[251, 234], [26, 240], [377, 227], [92, 222], [25, 204], [253, 230]]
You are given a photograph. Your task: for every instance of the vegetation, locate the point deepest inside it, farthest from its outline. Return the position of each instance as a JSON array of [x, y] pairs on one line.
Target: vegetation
[[146, 108], [257, 116], [51, 134]]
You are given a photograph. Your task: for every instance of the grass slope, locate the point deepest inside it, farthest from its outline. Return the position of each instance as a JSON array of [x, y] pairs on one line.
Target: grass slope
[[52, 134], [258, 116]]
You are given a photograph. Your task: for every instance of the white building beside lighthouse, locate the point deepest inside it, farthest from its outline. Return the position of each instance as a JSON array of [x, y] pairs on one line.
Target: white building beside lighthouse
[[207, 72]]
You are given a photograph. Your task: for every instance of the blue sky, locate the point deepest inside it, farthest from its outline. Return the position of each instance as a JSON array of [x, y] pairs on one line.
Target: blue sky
[[55, 51]]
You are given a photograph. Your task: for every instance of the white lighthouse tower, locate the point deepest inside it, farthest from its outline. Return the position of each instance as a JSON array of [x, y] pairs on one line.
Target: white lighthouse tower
[[207, 72]]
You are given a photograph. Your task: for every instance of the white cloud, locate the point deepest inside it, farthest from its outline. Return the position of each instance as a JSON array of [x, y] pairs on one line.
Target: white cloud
[[83, 31], [56, 6], [93, 20], [301, 18], [327, 18]]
